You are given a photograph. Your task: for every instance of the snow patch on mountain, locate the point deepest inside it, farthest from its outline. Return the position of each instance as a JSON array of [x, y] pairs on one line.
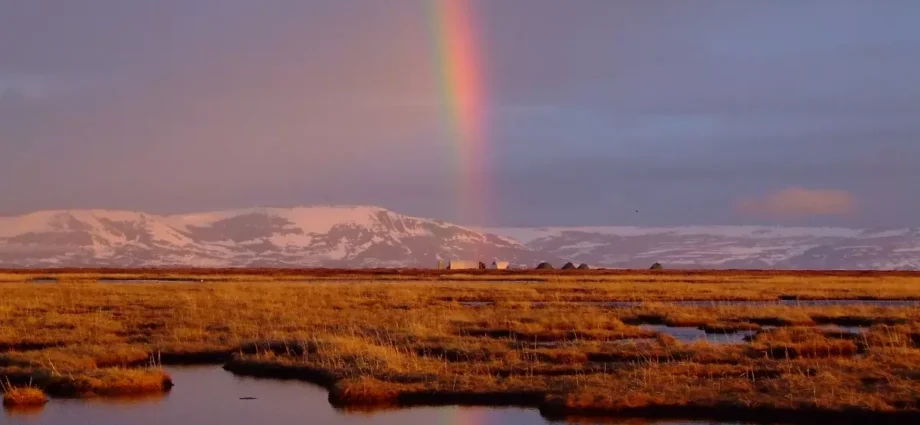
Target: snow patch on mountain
[[368, 236], [339, 236]]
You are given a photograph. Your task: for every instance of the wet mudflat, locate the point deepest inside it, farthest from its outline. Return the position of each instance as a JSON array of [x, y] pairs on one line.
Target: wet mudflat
[[207, 395]]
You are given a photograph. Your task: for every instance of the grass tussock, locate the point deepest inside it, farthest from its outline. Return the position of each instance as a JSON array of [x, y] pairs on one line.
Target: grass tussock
[[106, 382], [114, 382], [24, 396], [570, 343]]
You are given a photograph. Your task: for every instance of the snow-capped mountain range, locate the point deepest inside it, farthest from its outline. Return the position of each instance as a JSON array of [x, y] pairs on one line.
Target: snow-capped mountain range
[[366, 236]]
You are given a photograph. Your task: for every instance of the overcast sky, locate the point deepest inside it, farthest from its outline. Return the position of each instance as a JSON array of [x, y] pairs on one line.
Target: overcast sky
[[691, 112]]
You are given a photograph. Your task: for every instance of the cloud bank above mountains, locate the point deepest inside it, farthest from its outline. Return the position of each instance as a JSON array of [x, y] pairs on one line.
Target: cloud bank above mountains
[[595, 109], [801, 202]]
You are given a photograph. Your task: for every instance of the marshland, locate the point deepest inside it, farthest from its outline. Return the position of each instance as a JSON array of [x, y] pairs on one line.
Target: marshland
[[733, 345]]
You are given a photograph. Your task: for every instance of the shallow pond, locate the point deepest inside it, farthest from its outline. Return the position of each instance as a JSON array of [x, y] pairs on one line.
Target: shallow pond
[[211, 396], [843, 330], [45, 280], [688, 334]]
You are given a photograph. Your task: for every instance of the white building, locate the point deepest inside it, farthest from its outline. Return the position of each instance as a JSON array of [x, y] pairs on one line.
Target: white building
[[462, 265]]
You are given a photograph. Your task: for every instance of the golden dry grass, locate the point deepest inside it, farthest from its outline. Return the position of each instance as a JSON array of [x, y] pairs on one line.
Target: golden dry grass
[[548, 339], [26, 396]]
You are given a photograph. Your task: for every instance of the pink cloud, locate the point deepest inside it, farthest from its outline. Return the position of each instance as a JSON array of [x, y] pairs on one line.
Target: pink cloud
[[800, 202]]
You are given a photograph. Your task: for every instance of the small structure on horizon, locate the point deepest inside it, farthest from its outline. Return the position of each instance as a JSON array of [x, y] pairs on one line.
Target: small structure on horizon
[[545, 266], [656, 266], [583, 266], [568, 266], [499, 265], [462, 265]]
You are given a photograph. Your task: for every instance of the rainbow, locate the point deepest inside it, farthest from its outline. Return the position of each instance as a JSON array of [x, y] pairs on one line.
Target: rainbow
[[458, 63]]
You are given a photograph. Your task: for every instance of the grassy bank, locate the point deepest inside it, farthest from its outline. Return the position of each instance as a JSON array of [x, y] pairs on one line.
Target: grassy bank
[[568, 343]]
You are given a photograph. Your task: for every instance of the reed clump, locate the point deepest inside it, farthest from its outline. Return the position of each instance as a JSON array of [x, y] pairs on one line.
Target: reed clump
[[22, 396], [113, 382]]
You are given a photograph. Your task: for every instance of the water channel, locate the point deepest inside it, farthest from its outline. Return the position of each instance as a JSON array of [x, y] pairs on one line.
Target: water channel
[[208, 395]]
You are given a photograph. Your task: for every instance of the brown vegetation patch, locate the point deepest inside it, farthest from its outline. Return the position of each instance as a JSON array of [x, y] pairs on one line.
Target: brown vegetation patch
[[793, 343], [457, 354], [559, 335], [23, 396], [29, 345], [400, 337], [270, 369], [811, 350], [111, 382], [99, 382]]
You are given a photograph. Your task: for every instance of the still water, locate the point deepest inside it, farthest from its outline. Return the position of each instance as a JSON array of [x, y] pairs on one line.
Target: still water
[[688, 334], [211, 396]]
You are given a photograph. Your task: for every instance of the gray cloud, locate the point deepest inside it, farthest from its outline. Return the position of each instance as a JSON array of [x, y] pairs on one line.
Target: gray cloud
[[24, 86]]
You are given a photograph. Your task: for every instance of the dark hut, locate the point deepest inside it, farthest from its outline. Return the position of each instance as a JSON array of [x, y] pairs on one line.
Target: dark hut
[[656, 266], [568, 266], [583, 266], [544, 266]]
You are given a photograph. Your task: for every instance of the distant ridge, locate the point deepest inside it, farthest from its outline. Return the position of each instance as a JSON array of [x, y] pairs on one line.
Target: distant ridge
[[368, 236]]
